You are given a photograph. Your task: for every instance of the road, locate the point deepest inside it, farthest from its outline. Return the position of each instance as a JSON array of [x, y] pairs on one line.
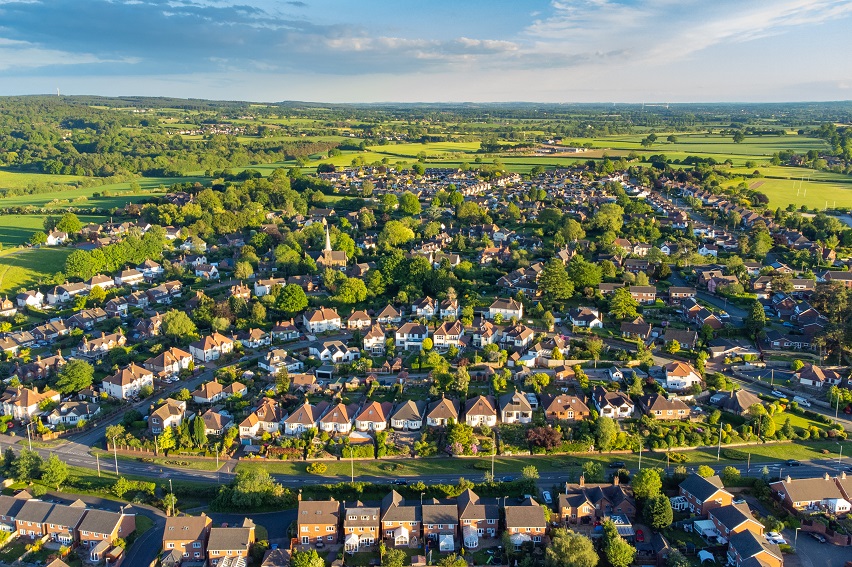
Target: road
[[737, 314]]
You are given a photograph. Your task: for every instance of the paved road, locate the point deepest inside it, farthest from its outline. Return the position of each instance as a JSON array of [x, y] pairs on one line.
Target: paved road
[[737, 314]]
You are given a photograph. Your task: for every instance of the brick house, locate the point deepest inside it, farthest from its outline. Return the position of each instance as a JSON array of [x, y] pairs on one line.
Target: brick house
[[704, 494], [318, 521]]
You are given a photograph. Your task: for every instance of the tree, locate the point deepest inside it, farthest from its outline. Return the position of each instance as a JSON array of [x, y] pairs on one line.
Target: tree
[[394, 557], [573, 231], [730, 475], [658, 511], [8, 459], [554, 280], [243, 270], [199, 434], [583, 273], [76, 375], [605, 432], [618, 552], [529, 472], [353, 290], [38, 238], [593, 471], [170, 503], [537, 381], [69, 223], [178, 327], [54, 472], [609, 217], [622, 305], [594, 345], [306, 559], [427, 344], [114, 432], [452, 560], [647, 483], [672, 347], [705, 471], [27, 466], [395, 233], [409, 203], [121, 486], [756, 319], [292, 299], [570, 549], [96, 296], [738, 137], [677, 559], [548, 320]]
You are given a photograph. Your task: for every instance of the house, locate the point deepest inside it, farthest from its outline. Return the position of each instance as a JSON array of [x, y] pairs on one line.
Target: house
[[686, 339], [62, 521], [266, 419], [583, 502], [506, 308], [117, 307], [481, 410], [747, 549], [681, 376], [7, 308], [212, 347], [657, 406], [318, 521], [440, 524], [515, 408], [97, 348], [389, 316], [128, 382], [9, 508], [478, 518], [703, 494], [644, 294], [338, 419], [441, 412], [23, 403], [425, 308], [636, 329], [212, 392], [150, 269], [227, 544], [616, 405], [818, 377], [448, 334], [359, 320], [401, 521], [360, 525], [254, 338], [30, 298], [587, 317], [170, 414], [188, 535], [170, 362], [129, 277], [70, 413], [517, 337], [410, 336], [408, 416], [56, 238], [525, 522], [215, 423], [99, 526], [31, 519], [304, 417], [322, 320], [86, 319], [449, 309], [732, 519], [206, 272], [374, 340], [373, 417], [564, 407], [737, 402], [64, 293], [101, 281], [809, 494], [264, 287], [678, 294], [276, 359], [334, 351], [483, 332]]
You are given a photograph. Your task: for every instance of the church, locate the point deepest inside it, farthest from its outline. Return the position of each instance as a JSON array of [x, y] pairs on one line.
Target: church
[[328, 258]]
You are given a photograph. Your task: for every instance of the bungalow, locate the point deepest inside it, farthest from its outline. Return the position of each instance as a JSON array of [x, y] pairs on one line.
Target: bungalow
[[481, 410], [515, 408], [818, 377], [616, 405], [564, 407], [373, 417], [442, 412], [215, 423], [408, 416], [321, 320], [809, 494], [338, 419], [285, 331], [304, 417], [389, 315], [657, 406], [587, 317]]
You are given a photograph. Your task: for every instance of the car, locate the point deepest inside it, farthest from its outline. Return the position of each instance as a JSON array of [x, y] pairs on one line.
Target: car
[[793, 463], [777, 394], [319, 545], [400, 482], [788, 324], [723, 315], [507, 479], [617, 465], [548, 499], [640, 536], [775, 537], [819, 537]]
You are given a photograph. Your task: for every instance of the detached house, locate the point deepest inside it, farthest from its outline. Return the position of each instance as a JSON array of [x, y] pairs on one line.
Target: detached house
[[267, 418], [304, 417], [425, 308], [212, 347], [373, 417], [338, 419], [226, 545], [478, 518], [657, 406], [515, 408], [318, 521], [360, 525], [747, 549], [23, 403], [410, 336], [401, 521], [585, 502], [441, 412], [408, 416], [169, 362], [449, 334], [480, 410], [616, 405], [525, 522], [101, 528], [564, 408], [681, 376], [374, 340], [322, 320], [170, 414], [389, 316], [188, 536], [128, 382], [506, 308]]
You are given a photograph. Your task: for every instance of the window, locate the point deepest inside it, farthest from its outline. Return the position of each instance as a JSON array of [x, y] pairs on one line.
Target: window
[[330, 538], [305, 528], [170, 545], [492, 521], [316, 528], [329, 528], [196, 545]]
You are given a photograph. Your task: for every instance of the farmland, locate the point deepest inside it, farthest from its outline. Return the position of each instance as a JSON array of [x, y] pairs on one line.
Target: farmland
[[27, 267], [17, 229]]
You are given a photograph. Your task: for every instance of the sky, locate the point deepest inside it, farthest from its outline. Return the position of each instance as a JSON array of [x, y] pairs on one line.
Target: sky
[[431, 50]]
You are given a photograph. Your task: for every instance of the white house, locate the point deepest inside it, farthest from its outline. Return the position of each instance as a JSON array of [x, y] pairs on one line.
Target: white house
[[374, 340], [264, 287], [426, 307], [211, 347], [506, 308], [276, 359], [448, 334], [56, 238], [322, 320], [374, 417], [410, 336], [127, 382], [334, 351], [587, 317], [681, 376]]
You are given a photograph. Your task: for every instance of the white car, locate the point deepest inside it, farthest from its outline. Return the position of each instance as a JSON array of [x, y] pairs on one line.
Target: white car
[[777, 394], [775, 537], [548, 499]]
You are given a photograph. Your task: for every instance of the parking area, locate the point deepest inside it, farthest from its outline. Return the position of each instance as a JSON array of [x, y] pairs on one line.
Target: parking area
[[811, 553]]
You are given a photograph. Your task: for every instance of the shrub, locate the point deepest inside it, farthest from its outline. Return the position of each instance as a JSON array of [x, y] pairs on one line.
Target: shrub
[[677, 457], [734, 454], [317, 468]]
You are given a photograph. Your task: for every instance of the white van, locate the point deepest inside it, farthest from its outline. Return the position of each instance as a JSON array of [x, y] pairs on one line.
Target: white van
[[801, 401]]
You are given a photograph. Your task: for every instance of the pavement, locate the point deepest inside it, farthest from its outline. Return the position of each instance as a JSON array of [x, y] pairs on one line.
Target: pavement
[[811, 553]]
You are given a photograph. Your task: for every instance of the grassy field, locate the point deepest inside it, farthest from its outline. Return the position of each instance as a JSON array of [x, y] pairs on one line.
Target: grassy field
[[24, 268], [17, 229], [18, 180], [813, 194]]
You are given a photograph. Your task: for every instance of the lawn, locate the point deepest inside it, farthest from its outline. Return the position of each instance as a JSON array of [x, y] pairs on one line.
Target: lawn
[[19, 180], [191, 463], [12, 551], [24, 268], [819, 194]]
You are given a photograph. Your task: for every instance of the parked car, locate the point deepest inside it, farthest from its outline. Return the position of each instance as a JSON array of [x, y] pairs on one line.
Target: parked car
[[775, 537], [617, 465], [640, 536], [819, 537], [507, 479], [777, 394], [548, 499], [793, 463]]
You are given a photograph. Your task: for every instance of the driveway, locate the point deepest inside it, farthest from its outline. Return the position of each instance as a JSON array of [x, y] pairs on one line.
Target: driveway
[[811, 553]]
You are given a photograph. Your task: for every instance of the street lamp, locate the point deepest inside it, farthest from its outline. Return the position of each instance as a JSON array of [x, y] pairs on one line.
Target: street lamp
[[29, 437], [796, 538]]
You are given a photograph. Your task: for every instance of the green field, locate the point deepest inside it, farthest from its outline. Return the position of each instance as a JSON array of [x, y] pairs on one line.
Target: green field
[[17, 229], [19, 180], [24, 268]]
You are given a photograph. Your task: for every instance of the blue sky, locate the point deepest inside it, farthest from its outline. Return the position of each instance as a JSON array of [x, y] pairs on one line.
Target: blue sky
[[431, 50]]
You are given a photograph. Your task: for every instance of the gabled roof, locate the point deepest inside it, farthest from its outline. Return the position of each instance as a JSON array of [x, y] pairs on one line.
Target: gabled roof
[[480, 405], [444, 408], [702, 488]]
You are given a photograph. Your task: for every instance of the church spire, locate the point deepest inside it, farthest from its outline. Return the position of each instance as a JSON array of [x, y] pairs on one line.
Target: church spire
[[327, 240]]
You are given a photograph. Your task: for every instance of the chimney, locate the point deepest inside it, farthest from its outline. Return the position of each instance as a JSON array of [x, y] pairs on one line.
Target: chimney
[[787, 479], [615, 480], [827, 477], [582, 481], [299, 496]]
